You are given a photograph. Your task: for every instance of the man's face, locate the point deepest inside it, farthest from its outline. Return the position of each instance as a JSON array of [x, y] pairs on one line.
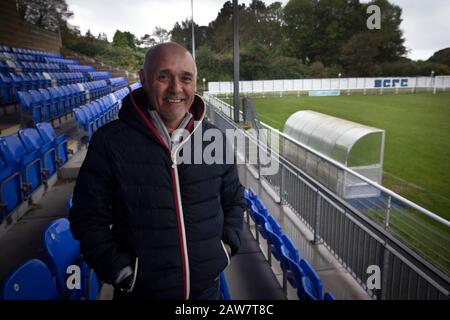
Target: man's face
[[170, 83]]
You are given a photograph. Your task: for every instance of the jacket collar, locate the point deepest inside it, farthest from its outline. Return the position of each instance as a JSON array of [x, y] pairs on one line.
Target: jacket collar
[[134, 113]]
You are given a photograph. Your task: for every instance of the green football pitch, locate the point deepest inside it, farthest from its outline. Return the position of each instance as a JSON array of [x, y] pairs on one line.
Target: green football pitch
[[417, 150]]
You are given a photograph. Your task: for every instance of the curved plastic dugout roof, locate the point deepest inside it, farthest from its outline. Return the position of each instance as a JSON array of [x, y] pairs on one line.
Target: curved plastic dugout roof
[[328, 135]]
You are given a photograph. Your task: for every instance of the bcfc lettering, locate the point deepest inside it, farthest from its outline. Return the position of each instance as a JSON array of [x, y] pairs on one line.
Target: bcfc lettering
[[391, 83]]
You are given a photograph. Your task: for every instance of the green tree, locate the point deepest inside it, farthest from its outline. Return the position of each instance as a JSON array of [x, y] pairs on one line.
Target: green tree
[[147, 41], [392, 46], [119, 40], [317, 29], [441, 56], [49, 14], [124, 39], [161, 35], [359, 54], [254, 61], [182, 34]]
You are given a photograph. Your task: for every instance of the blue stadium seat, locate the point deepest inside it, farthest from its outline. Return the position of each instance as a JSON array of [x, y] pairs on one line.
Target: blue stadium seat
[[31, 107], [26, 80], [42, 106], [260, 206], [29, 164], [311, 288], [90, 116], [106, 106], [97, 109], [117, 83], [223, 285], [247, 199], [135, 86], [289, 255], [65, 98], [56, 101], [328, 296], [69, 98], [17, 84], [33, 142], [48, 135], [63, 250], [6, 89], [10, 181], [30, 281], [50, 105], [274, 234], [260, 221], [85, 127]]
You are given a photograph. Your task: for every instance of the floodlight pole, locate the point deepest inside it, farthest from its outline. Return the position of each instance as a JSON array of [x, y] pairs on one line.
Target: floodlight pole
[[236, 60], [193, 33]]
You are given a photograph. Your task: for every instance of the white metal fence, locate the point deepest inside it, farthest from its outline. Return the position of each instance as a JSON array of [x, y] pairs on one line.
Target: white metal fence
[[378, 84], [410, 244]]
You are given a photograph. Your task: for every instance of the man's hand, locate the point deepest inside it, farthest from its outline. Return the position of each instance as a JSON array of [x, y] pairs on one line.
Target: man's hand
[[125, 284], [227, 247]]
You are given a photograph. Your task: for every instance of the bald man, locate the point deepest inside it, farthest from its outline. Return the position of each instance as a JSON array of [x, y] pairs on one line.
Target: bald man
[[154, 226]]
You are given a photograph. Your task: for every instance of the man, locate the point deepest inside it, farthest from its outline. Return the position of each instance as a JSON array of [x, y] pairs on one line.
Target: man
[[152, 227]]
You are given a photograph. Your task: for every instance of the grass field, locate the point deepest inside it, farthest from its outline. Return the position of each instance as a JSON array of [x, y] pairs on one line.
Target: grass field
[[416, 160], [417, 150]]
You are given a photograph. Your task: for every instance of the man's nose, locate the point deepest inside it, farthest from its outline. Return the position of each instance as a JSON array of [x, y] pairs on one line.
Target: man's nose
[[175, 86]]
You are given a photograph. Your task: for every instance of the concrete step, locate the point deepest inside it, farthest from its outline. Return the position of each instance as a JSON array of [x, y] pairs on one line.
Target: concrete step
[[71, 169]]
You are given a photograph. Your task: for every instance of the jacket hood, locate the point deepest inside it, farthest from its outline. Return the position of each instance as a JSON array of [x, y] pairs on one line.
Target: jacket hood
[[134, 113]]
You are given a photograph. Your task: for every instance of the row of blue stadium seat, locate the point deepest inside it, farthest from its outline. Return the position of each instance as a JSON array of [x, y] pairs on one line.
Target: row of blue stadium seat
[[95, 114], [30, 52], [98, 75], [11, 83], [34, 280], [31, 66], [23, 66], [21, 57], [28, 160], [135, 86], [54, 102], [118, 83], [80, 68], [61, 61], [300, 274]]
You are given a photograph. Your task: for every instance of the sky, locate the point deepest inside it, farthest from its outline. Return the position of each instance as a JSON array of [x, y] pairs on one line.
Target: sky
[[426, 23]]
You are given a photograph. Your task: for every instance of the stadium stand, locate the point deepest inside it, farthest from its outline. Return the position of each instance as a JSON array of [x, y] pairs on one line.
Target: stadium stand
[[298, 272], [28, 160]]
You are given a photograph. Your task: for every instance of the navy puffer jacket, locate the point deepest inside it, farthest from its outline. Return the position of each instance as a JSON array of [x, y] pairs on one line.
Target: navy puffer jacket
[[133, 206]]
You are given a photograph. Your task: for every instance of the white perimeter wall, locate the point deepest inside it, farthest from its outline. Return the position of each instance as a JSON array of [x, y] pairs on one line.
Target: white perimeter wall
[[440, 82]]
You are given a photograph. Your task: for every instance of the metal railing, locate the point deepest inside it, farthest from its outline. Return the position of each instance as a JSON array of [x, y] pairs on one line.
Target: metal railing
[[409, 244]]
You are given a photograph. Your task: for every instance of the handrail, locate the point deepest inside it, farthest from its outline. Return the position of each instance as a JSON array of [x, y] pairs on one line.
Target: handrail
[[354, 173]]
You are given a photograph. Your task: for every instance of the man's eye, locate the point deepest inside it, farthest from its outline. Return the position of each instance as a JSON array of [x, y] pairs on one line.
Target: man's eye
[[162, 77], [187, 79]]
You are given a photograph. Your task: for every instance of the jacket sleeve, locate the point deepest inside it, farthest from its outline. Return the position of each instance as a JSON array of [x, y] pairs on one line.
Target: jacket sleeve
[[91, 215], [233, 206]]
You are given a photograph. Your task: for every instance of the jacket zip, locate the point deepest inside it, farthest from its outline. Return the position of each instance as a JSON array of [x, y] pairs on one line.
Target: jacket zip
[[226, 252], [177, 196], [180, 214]]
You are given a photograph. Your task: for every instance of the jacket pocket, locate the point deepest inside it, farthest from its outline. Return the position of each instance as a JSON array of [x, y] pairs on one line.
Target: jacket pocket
[[226, 253]]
